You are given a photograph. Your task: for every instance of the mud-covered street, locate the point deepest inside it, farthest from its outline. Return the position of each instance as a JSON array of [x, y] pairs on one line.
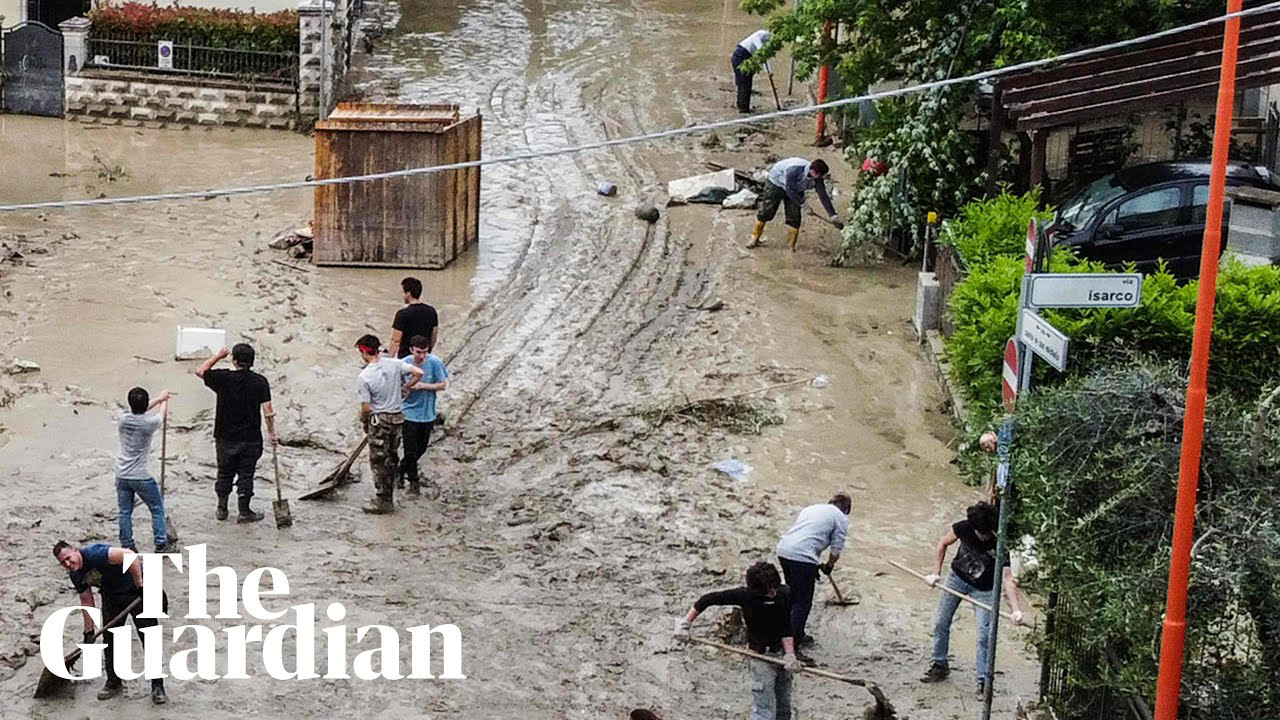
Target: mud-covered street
[[576, 520]]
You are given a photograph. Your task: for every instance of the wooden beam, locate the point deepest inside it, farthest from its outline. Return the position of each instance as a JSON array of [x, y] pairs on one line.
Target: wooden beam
[[1039, 153], [1206, 37], [1154, 67], [1140, 88], [1144, 102], [994, 138]]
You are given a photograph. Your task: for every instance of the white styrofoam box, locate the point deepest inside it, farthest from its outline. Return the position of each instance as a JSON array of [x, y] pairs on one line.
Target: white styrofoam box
[[199, 342]]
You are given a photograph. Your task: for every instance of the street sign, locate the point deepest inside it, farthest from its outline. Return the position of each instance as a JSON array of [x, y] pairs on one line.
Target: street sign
[[1043, 339], [1009, 376], [1032, 238], [164, 54], [1086, 290]]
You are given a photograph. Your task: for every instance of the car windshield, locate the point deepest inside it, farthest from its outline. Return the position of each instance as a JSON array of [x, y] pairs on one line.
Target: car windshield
[[1080, 209]]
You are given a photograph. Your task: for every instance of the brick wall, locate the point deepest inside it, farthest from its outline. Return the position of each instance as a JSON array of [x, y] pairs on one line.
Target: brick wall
[[138, 99]]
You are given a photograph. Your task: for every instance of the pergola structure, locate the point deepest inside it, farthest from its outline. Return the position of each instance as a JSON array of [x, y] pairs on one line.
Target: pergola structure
[[1164, 71]]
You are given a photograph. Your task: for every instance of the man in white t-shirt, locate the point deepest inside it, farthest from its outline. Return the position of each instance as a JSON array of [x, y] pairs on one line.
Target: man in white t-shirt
[[749, 46], [383, 384], [817, 528]]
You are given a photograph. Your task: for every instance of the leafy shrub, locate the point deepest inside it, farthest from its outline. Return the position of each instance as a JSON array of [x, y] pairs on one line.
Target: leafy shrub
[[995, 226], [1096, 457], [271, 32], [984, 309]]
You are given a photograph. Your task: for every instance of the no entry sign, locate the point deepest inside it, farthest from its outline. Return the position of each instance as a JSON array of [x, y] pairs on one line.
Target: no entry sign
[[1009, 384]]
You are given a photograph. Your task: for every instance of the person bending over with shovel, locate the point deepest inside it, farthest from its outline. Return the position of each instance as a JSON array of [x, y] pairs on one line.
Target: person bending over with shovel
[[749, 46], [817, 528], [766, 611], [137, 426], [102, 566], [786, 185]]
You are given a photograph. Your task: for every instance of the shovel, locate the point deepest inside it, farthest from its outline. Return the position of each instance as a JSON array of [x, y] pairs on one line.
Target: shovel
[[840, 598], [280, 507], [169, 529], [773, 87], [883, 709], [50, 683], [946, 589], [340, 476]]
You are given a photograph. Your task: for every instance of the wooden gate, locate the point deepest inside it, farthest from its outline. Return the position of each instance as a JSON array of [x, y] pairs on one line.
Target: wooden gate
[[32, 70]]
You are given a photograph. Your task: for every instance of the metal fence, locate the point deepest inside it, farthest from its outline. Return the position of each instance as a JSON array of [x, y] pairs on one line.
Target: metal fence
[[122, 52]]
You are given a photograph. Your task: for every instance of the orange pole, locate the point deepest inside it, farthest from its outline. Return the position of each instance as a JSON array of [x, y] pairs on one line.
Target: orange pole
[[1173, 641], [823, 73]]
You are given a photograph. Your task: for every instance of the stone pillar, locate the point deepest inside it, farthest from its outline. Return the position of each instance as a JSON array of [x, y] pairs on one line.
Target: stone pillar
[[75, 44], [310, 65]]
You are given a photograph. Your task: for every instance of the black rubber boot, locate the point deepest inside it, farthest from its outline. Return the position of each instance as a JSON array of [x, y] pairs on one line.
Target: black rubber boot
[[157, 693], [937, 672], [247, 515], [111, 689], [221, 514]]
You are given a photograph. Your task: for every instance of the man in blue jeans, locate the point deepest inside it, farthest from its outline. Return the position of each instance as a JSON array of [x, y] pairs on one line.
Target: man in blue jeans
[[137, 426], [817, 528], [972, 574]]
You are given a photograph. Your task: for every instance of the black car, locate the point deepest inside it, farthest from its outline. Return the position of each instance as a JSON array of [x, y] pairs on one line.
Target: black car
[[1147, 213]]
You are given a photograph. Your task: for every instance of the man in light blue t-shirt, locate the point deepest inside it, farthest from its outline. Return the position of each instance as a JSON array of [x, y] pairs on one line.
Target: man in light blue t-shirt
[[817, 528], [420, 409]]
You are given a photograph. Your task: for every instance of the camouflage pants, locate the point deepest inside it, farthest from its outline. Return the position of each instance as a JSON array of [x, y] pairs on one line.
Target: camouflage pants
[[384, 447]]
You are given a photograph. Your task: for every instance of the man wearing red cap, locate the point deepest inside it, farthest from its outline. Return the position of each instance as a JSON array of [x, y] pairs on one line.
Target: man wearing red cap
[[383, 384]]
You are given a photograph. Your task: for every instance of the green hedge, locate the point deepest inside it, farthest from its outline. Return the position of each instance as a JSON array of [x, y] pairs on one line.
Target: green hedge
[[984, 308], [986, 229], [241, 30]]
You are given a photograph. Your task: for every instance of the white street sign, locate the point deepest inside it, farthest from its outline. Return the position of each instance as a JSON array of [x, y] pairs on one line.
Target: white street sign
[[164, 54], [1043, 339], [1086, 290]]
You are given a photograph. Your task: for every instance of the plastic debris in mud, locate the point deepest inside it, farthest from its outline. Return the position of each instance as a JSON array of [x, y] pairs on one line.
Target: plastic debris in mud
[[735, 469]]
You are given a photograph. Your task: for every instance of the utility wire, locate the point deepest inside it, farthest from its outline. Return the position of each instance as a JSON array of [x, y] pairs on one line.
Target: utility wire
[[634, 139]]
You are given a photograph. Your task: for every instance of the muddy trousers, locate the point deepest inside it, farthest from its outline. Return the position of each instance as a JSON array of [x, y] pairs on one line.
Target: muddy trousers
[[947, 606], [416, 437], [237, 463], [773, 197], [113, 605], [801, 577], [384, 448], [741, 80], [770, 691], [146, 489]]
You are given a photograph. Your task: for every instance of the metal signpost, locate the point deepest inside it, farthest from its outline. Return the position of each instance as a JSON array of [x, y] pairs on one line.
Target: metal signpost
[[1036, 336]]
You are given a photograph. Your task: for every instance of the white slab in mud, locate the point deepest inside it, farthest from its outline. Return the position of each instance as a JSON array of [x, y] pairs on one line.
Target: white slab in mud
[[690, 186], [199, 343]]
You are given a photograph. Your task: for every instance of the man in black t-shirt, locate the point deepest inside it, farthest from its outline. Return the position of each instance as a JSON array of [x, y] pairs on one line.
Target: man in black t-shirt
[[972, 573], [766, 611], [415, 318], [244, 398]]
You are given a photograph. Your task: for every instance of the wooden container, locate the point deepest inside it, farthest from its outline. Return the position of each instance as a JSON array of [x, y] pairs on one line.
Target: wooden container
[[416, 221]]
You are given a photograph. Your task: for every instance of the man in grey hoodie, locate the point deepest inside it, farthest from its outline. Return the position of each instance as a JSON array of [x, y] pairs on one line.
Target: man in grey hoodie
[[817, 528]]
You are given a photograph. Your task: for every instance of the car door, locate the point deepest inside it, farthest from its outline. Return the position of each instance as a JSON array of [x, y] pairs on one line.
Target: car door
[[1138, 227]]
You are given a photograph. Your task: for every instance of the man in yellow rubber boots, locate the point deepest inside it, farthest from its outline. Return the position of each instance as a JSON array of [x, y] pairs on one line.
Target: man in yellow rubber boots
[[787, 183]]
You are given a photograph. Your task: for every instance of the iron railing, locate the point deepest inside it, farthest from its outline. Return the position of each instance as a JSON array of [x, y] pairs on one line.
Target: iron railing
[[126, 53]]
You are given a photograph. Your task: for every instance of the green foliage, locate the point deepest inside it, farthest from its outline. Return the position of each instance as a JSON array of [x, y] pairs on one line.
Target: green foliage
[[1246, 337], [273, 32], [924, 137], [1096, 458], [995, 226]]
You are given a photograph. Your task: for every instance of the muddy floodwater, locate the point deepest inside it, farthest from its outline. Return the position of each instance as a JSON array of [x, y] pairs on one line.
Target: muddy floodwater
[[578, 517]]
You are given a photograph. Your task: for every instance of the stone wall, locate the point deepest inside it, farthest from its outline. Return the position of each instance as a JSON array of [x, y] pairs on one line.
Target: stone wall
[[138, 99]]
